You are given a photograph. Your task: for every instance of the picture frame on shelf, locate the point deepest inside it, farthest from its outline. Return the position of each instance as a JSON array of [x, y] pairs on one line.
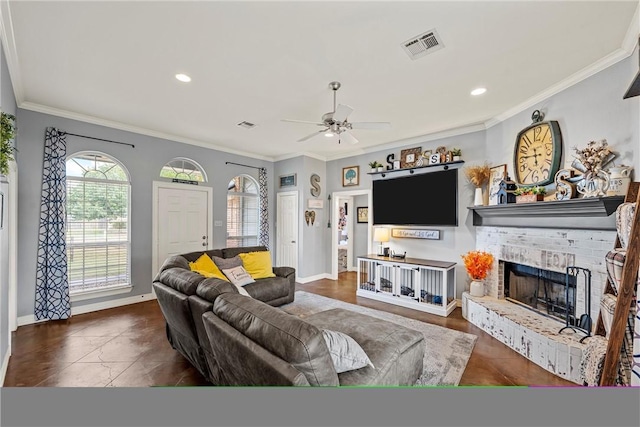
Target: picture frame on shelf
[[350, 176], [496, 174], [362, 214], [409, 156], [288, 180]]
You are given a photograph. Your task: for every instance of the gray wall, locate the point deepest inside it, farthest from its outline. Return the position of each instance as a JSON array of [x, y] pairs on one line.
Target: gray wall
[[8, 105], [359, 229], [143, 163]]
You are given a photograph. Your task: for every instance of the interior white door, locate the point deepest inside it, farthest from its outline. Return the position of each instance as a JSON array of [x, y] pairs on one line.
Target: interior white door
[[183, 222], [287, 226]]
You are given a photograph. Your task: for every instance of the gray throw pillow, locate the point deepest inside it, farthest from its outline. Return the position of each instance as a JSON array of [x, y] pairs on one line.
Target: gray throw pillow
[[227, 263], [345, 352]]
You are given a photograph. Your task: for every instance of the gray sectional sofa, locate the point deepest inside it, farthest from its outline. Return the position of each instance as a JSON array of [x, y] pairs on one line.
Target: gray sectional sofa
[[234, 339]]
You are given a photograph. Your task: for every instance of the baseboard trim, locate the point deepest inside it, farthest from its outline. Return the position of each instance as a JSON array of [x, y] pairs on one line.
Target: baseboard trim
[[88, 308], [312, 278], [5, 365]]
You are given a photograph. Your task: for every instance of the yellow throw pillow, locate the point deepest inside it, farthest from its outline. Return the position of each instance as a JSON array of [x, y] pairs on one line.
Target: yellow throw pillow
[[205, 266], [257, 264]]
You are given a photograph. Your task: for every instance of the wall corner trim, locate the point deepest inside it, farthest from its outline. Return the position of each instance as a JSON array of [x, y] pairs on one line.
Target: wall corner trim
[[312, 278]]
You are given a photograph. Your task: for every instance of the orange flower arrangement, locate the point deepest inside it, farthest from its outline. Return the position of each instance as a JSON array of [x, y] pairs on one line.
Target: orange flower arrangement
[[478, 264]]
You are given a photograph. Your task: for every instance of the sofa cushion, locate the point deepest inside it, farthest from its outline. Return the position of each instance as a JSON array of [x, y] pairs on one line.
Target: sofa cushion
[[227, 263], [345, 352], [192, 256], [185, 281], [269, 289], [231, 252], [288, 337], [258, 264], [239, 277], [175, 261], [204, 265]]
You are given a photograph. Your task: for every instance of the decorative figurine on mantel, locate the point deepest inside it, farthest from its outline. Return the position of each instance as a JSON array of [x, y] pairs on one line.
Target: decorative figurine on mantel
[[506, 191], [591, 161]]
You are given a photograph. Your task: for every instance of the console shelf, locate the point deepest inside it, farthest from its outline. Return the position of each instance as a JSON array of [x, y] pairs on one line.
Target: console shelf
[[421, 284], [592, 213]]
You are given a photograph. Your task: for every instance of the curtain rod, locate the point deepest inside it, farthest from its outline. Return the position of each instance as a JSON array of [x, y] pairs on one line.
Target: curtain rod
[[97, 139], [247, 166]]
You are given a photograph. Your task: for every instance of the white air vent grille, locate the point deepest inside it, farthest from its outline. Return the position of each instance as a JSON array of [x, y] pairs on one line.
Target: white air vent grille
[[419, 46], [246, 125]]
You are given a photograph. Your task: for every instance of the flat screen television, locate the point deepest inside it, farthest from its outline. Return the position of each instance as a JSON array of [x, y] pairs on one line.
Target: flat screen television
[[429, 198]]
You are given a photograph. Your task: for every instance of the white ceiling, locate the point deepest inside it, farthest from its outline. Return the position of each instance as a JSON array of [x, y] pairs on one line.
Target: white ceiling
[[114, 63]]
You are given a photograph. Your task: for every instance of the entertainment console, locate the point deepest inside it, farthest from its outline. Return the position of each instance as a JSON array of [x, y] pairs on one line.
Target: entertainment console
[[421, 284]]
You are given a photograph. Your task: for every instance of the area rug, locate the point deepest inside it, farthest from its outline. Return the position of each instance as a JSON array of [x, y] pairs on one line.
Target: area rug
[[446, 351]]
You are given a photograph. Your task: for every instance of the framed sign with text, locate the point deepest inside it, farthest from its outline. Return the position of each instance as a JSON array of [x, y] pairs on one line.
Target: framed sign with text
[[416, 233]]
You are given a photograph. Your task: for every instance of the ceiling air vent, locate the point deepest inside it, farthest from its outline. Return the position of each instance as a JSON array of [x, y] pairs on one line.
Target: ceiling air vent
[[246, 125], [419, 46]]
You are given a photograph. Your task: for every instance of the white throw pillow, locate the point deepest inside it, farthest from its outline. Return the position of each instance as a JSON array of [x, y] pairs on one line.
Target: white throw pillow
[[239, 277], [345, 352]]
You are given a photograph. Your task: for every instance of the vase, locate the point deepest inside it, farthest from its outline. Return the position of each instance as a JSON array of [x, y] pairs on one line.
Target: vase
[[594, 184], [479, 198], [619, 179], [477, 288]]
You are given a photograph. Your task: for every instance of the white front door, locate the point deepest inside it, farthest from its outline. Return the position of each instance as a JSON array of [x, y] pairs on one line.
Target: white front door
[[183, 221], [287, 229]]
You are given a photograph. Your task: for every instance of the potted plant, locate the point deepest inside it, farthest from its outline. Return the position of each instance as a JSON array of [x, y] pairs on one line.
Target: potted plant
[[375, 166], [456, 153], [8, 133], [478, 176], [530, 194], [477, 264]]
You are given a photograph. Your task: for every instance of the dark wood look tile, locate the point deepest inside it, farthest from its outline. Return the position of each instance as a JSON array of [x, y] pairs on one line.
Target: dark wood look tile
[[127, 347]]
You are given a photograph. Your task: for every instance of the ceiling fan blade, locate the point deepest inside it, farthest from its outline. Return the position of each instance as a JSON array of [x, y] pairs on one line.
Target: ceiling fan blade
[[312, 135], [341, 113], [371, 125], [347, 137], [302, 121]]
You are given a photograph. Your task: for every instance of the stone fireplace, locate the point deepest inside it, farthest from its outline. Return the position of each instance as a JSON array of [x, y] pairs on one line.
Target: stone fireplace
[[541, 240]]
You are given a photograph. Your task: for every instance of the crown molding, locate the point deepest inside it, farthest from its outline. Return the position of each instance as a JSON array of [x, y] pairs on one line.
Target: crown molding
[[631, 37], [10, 50], [38, 108]]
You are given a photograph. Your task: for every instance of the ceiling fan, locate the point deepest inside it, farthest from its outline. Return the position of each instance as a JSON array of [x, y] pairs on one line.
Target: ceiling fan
[[335, 122]]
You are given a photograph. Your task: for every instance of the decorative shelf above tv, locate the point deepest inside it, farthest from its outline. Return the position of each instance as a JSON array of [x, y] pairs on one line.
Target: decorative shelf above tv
[[592, 213], [418, 169]]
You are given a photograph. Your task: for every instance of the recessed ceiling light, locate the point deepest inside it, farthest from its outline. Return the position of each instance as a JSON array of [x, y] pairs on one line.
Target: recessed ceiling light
[[183, 78], [478, 91]]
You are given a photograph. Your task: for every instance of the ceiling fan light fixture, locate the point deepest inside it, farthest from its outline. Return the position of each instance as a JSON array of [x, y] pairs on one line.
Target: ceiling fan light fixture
[[478, 91], [329, 134]]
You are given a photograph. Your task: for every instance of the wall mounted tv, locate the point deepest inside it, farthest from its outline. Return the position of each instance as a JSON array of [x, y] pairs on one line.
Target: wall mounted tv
[[429, 198]]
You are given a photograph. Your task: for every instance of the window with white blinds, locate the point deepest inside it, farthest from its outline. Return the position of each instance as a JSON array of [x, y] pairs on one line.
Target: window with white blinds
[[243, 214], [97, 228]]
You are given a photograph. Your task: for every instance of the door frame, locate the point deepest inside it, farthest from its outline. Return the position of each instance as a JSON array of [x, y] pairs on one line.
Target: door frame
[[280, 194], [335, 212], [157, 185]]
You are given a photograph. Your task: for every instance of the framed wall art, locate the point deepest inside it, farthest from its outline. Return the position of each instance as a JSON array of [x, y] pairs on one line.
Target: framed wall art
[[496, 174], [288, 180], [409, 157], [350, 176], [363, 214]]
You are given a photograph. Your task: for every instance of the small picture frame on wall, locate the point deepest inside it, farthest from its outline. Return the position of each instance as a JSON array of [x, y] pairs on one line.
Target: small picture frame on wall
[[496, 174], [363, 214], [288, 180], [350, 176]]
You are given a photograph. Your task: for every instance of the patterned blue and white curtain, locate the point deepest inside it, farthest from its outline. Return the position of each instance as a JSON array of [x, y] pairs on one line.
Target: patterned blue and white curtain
[[52, 286], [264, 208]]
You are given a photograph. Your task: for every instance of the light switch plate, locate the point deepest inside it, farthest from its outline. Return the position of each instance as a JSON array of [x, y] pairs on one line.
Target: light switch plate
[[217, 223]]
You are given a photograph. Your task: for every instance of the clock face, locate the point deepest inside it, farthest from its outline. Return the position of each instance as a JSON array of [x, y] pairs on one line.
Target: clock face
[[537, 153]]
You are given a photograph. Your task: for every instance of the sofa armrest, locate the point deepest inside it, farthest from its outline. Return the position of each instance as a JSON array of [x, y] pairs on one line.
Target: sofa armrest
[[285, 272], [209, 289]]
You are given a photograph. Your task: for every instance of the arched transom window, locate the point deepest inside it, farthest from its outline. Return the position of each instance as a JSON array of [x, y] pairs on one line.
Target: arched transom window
[[97, 228], [183, 168], [243, 215]]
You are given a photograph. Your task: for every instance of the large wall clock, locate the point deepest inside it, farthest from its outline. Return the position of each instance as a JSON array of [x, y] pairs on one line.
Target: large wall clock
[[536, 156]]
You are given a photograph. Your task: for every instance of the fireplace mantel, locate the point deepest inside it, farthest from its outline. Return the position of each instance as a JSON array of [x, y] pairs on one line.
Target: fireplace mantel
[[587, 213]]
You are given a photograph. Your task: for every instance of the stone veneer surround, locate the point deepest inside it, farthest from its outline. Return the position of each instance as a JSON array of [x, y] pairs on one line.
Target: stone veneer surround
[[531, 334]]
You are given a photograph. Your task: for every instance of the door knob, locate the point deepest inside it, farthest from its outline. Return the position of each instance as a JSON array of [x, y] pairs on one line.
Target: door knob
[[204, 243], [204, 237]]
